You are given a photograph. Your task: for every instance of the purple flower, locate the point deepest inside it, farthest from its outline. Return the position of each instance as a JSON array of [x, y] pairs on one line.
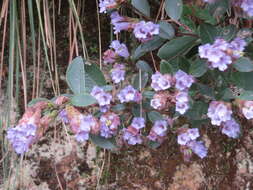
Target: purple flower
[[109, 123], [101, 96], [247, 109], [118, 73], [247, 6], [131, 138], [183, 80], [237, 46], [187, 136], [219, 112], [145, 30], [221, 53], [158, 131], [109, 56], [64, 117], [119, 23], [129, 94], [156, 103], [21, 137], [105, 4], [209, 1], [161, 82], [198, 148], [138, 123], [231, 128], [120, 48], [104, 109], [87, 122], [182, 102]]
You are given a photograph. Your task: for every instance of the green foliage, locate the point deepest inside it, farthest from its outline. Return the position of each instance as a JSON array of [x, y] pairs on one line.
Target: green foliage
[[174, 8], [83, 100], [151, 45], [198, 68], [144, 66], [243, 64], [140, 80], [166, 30], [103, 142], [154, 116], [176, 47], [142, 6]]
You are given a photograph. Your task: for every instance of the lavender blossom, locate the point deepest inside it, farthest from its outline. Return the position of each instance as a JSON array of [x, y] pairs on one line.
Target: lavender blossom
[[183, 80], [247, 109], [189, 135], [87, 122], [231, 128], [120, 48], [198, 148], [129, 94], [182, 102], [109, 56], [158, 131], [222, 53], [109, 124], [144, 31], [105, 4], [131, 138], [138, 123], [161, 82], [219, 112], [247, 6], [64, 117], [101, 96], [119, 23], [118, 73], [22, 137]]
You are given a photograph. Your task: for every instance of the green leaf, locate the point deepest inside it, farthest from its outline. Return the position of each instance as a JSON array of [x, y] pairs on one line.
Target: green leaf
[[204, 15], [103, 142], [243, 80], [205, 90], [118, 107], [137, 112], [174, 8], [83, 100], [207, 33], [226, 95], [166, 30], [76, 76], [197, 111], [144, 66], [154, 116], [36, 100], [228, 33], [246, 95], [243, 64], [198, 68], [176, 47], [148, 94], [218, 8], [93, 76], [165, 67], [142, 6], [151, 45], [144, 80], [153, 144]]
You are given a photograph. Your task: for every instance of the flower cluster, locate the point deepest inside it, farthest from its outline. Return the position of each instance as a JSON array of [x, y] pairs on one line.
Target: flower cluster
[[132, 134], [222, 53], [22, 136], [143, 31], [219, 112], [109, 124], [117, 50], [188, 139], [129, 94], [247, 109], [182, 82], [118, 73], [158, 131], [103, 98]]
